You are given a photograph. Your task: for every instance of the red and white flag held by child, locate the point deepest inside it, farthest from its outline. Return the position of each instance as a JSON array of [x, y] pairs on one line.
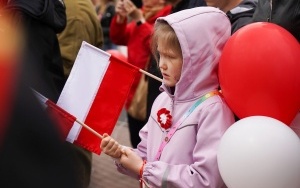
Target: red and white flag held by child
[[95, 93]]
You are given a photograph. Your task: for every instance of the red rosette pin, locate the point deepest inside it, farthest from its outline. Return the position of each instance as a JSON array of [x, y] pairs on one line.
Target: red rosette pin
[[164, 118]]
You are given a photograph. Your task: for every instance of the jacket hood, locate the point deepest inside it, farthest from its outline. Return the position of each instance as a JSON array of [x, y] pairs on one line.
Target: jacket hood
[[202, 33]]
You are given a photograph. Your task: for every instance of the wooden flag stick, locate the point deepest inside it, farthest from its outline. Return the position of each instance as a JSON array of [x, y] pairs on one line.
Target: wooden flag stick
[[140, 70], [90, 129], [151, 75]]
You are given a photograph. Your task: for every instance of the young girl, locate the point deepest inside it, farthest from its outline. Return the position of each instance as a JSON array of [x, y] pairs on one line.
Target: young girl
[[179, 142]]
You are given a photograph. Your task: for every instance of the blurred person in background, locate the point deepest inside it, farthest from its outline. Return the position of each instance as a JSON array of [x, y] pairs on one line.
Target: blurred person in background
[[82, 25], [285, 13], [106, 11], [32, 151], [239, 12], [40, 21]]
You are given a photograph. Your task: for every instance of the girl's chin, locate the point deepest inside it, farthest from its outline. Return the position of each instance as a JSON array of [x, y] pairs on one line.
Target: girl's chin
[[168, 83]]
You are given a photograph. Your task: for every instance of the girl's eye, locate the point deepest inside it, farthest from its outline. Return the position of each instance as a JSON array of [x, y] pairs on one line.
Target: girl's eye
[[170, 56], [165, 55]]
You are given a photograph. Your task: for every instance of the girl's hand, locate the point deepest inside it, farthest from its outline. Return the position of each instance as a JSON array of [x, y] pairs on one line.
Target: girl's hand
[[131, 161], [110, 147]]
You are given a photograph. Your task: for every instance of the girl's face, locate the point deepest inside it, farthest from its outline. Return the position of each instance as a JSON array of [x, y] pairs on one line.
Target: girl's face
[[170, 63]]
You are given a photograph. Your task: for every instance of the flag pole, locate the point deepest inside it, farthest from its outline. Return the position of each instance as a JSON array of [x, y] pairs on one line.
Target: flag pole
[[151, 75], [140, 70], [89, 128]]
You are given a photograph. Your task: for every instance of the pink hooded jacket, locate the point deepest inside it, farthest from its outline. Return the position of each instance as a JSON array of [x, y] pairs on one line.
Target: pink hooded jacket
[[190, 157]]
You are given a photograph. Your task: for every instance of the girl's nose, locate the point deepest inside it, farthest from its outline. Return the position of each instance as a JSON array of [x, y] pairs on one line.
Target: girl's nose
[[162, 65]]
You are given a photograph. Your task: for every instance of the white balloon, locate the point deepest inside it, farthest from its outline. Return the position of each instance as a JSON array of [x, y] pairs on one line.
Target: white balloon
[[260, 152]]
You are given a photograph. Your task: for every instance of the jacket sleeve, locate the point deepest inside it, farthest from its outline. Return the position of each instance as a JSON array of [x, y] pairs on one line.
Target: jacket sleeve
[[119, 33], [283, 13], [203, 172]]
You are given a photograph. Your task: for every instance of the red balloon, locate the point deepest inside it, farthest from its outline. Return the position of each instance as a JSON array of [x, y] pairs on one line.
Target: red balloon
[[259, 72], [117, 54]]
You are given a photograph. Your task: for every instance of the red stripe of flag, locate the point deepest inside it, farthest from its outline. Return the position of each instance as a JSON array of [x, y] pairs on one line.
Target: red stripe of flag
[[64, 120]]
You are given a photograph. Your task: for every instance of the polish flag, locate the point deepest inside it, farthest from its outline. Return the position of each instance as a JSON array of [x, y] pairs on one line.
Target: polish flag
[[95, 93]]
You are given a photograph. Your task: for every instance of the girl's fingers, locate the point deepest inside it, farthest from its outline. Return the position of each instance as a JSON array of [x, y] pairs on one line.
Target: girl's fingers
[[117, 153], [113, 147], [105, 141], [110, 144]]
